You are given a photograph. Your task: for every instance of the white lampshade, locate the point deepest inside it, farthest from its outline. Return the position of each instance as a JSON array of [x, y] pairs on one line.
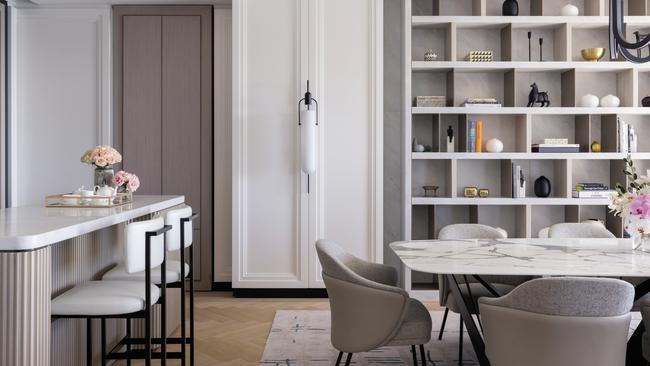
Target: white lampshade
[[308, 141]]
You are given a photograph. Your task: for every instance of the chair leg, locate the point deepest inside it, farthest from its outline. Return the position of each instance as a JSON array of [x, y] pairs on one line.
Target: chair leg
[[338, 359], [460, 344], [442, 326], [348, 360], [103, 345], [89, 342], [414, 354], [128, 336], [423, 358]]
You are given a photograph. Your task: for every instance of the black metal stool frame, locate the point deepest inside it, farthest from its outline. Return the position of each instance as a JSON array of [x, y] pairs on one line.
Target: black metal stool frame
[[145, 314]]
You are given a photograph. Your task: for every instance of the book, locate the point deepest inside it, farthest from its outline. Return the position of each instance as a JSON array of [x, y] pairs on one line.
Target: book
[[591, 187], [471, 139], [496, 105], [592, 194], [479, 136], [558, 141], [555, 148]]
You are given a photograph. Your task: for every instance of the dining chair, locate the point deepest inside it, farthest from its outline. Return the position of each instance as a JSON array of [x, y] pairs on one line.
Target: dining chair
[[579, 230], [368, 309], [645, 338], [502, 284], [559, 321]]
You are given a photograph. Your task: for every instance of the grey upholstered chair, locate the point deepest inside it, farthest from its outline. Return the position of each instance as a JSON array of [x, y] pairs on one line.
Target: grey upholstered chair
[[579, 230], [368, 309], [502, 284], [559, 321], [645, 342]]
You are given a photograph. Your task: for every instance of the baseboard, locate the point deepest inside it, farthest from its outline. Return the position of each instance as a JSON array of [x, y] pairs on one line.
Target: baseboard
[[222, 286], [310, 293]]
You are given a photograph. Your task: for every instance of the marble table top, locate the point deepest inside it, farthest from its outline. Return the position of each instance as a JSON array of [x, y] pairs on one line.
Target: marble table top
[[530, 257]]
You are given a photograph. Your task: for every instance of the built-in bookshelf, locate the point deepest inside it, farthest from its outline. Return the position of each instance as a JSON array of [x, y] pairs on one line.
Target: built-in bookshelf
[[453, 28]]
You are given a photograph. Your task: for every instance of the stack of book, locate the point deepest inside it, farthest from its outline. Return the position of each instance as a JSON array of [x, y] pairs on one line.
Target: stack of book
[[518, 182], [555, 146], [481, 102], [475, 136], [626, 139], [591, 190]]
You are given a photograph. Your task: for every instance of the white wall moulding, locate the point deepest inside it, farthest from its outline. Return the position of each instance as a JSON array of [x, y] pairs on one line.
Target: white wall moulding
[[337, 45], [454, 28], [75, 43]]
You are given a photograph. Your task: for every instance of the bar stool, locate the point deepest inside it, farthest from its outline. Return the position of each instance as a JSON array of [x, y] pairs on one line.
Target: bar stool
[[180, 223], [122, 299]]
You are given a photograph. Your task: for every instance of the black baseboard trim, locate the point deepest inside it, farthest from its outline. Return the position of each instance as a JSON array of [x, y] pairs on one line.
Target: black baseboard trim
[[309, 293], [222, 286]]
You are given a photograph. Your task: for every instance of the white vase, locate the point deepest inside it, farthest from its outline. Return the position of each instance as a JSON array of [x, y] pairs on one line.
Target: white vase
[[610, 101], [589, 101], [569, 10], [494, 146]]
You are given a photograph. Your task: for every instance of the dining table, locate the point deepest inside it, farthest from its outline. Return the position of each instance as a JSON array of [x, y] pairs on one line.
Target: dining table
[[461, 261]]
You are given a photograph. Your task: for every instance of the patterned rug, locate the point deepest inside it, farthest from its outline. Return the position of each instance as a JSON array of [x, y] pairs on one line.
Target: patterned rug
[[302, 337]]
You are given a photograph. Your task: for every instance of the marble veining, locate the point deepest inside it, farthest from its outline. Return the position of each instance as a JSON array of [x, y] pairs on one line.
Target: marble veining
[[534, 257], [33, 227]]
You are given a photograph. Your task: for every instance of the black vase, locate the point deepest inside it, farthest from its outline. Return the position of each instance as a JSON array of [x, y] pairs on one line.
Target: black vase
[[646, 101], [542, 187], [510, 8]]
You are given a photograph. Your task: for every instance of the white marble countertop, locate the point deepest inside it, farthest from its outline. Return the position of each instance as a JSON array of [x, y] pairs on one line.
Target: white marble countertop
[[530, 257], [33, 227]]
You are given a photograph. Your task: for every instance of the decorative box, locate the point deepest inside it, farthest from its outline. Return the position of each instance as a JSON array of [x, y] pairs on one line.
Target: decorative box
[[479, 56], [430, 101]]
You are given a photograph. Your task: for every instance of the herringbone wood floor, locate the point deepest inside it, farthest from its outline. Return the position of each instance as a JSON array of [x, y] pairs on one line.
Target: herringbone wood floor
[[233, 332]]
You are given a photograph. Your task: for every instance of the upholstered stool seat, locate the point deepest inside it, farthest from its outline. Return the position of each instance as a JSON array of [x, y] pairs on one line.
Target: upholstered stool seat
[[416, 326], [101, 298], [119, 273]]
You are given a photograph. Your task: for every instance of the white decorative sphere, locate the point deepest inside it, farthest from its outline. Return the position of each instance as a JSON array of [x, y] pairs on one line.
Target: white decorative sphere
[[569, 10], [610, 101], [419, 148], [589, 101], [494, 146]]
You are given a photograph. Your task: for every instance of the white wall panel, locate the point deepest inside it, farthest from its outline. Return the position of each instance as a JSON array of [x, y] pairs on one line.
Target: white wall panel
[[61, 72]]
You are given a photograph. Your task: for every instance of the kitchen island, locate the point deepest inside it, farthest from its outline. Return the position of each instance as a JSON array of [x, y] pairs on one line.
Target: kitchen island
[[46, 251]]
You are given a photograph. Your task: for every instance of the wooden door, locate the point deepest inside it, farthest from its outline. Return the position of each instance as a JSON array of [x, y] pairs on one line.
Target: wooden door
[[163, 108]]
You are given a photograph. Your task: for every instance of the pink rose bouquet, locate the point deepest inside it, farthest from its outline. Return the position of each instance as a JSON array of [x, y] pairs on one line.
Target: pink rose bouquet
[[101, 157], [126, 182]]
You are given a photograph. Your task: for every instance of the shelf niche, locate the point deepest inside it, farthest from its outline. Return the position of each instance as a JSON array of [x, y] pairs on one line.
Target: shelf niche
[[574, 127]]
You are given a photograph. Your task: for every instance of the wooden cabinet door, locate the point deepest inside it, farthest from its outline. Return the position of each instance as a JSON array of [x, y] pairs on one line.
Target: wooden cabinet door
[[163, 109]]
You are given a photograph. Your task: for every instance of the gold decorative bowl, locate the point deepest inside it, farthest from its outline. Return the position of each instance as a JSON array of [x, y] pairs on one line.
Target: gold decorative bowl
[[592, 54]]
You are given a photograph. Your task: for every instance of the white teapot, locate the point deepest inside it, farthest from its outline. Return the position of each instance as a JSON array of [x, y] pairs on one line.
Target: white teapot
[[105, 191]]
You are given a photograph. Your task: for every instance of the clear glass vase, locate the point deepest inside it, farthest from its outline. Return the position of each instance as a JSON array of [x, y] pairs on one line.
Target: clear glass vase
[[104, 176], [642, 242]]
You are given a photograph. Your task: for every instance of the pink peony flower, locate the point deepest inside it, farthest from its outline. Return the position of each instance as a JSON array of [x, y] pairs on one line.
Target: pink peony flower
[[118, 179], [133, 183], [640, 206]]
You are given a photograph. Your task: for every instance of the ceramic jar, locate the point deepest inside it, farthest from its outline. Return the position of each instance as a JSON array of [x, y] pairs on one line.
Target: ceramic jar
[[589, 101], [430, 56], [569, 10], [542, 187], [610, 101], [510, 8], [494, 146]]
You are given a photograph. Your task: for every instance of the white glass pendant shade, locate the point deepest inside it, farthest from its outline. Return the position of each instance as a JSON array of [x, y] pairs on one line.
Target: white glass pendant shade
[[308, 141]]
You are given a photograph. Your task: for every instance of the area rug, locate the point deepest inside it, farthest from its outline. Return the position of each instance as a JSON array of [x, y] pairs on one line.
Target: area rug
[[302, 337]]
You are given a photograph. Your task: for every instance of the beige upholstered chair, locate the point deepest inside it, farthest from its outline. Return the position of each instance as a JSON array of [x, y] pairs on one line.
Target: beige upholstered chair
[[368, 309], [579, 230], [559, 321], [500, 283]]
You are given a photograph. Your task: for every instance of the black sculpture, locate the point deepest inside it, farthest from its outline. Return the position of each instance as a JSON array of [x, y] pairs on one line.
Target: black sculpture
[[536, 96]]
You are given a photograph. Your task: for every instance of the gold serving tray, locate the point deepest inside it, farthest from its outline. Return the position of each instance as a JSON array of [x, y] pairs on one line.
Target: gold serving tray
[[78, 201]]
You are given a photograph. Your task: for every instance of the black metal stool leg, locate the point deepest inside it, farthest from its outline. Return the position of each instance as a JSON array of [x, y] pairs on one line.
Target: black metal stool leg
[[348, 360], [338, 359], [128, 336], [442, 326], [163, 309], [103, 339], [193, 342], [89, 342], [183, 335]]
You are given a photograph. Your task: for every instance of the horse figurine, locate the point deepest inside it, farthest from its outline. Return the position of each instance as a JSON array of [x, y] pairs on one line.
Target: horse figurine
[[536, 96]]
